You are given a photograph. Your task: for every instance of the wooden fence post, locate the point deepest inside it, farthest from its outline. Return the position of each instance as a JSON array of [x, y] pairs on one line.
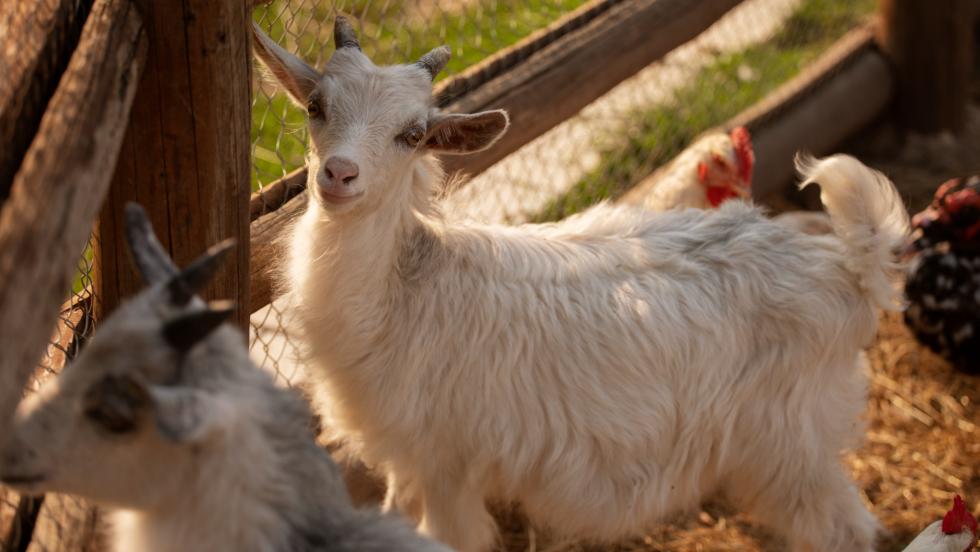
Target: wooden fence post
[[930, 45], [185, 157]]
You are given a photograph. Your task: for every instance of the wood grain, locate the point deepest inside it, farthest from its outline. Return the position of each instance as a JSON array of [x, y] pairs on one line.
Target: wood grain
[[39, 37], [568, 74], [930, 44], [185, 157], [45, 223]]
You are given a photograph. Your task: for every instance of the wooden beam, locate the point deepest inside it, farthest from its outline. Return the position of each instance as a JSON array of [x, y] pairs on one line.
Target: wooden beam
[[852, 81], [186, 153], [45, 223], [39, 38], [562, 78], [930, 44], [276, 194]]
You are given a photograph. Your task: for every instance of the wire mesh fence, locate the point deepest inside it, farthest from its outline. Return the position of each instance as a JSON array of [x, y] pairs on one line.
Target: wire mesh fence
[[596, 155], [56, 522]]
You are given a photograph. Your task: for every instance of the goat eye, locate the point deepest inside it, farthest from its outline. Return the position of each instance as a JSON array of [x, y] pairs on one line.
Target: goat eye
[[313, 110], [114, 404], [111, 419], [413, 136]]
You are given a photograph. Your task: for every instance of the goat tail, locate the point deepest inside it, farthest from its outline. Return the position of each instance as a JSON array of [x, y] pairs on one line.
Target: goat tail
[[868, 215]]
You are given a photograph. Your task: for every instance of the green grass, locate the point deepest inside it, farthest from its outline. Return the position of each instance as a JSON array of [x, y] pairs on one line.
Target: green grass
[[389, 35], [714, 96]]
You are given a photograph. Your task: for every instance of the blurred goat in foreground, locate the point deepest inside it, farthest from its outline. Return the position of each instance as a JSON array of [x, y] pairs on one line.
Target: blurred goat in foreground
[[164, 418]]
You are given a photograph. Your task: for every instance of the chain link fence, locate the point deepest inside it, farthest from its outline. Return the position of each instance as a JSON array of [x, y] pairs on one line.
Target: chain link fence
[[56, 522], [596, 155]]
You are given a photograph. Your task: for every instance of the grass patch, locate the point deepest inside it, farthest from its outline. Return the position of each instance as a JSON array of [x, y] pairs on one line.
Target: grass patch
[[715, 95], [390, 34]]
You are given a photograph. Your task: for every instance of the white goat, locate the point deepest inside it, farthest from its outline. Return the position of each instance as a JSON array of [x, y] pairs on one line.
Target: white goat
[[605, 371], [164, 417]]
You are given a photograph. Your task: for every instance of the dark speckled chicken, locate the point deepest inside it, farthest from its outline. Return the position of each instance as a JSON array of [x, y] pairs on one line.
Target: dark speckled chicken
[[943, 288]]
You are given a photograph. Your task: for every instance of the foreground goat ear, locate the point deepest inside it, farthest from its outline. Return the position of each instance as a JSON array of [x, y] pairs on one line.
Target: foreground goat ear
[[454, 133], [298, 78], [187, 330], [149, 255], [189, 415]]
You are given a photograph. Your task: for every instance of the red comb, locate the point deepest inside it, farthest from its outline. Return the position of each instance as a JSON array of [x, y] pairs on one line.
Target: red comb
[[959, 517], [742, 142], [702, 172]]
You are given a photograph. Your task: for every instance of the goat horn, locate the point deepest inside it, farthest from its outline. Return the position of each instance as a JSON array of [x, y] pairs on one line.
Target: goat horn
[[151, 258], [189, 281], [435, 61], [343, 34], [191, 328]]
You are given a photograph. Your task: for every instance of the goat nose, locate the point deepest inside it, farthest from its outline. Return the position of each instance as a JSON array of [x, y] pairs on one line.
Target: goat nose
[[340, 169]]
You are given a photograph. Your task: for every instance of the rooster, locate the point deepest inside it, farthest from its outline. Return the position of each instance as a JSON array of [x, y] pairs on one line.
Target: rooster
[[956, 532], [712, 170], [943, 286]]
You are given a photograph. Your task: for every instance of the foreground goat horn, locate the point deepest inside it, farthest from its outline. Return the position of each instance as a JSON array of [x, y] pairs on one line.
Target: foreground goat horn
[[192, 279], [435, 61], [151, 258], [189, 329], [343, 34]]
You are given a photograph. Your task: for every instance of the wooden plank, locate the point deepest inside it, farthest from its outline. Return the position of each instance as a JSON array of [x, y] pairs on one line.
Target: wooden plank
[[930, 44], [852, 80], [186, 152], [39, 37], [45, 223], [501, 61], [562, 78], [276, 194]]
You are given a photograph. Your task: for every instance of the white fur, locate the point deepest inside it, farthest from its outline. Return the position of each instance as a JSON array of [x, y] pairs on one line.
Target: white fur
[[870, 218], [605, 371]]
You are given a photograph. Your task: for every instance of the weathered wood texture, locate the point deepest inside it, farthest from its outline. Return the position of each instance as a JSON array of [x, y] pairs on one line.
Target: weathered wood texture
[[45, 223], [38, 39], [838, 95], [930, 45], [568, 74], [185, 157], [276, 194], [608, 42]]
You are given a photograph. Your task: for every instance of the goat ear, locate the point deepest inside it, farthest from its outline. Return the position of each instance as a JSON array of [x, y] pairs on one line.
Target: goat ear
[[189, 415], [455, 133], [298, 78], [187, 330], [149, 255]]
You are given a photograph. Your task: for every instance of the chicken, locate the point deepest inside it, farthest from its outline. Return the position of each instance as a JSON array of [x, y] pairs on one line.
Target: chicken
[[943, 286], [716, 168], [956, 532], [713, 169]]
